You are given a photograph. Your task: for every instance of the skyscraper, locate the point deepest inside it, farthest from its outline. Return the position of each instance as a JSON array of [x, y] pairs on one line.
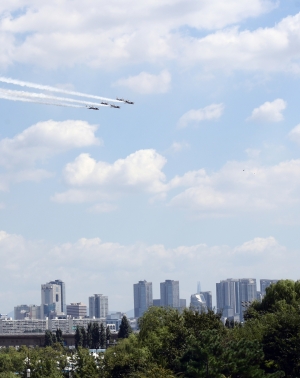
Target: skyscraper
[[264, 283], [208, 299], [248, 293], [169, 294], [98, 306], [233, 293], [51, 299], [198, 303], [142, 293], [62, 293]]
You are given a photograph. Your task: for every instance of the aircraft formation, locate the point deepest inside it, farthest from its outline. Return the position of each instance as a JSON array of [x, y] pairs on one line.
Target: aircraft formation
[[50, 99]]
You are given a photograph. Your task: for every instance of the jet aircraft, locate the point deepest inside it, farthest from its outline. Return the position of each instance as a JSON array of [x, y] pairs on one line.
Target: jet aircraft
[[92, 108], [125, 101], [115, 106], [104, 103]]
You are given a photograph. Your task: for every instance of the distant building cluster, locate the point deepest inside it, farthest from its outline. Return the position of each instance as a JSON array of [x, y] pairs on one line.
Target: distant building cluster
[[233, 296], [54, 313]]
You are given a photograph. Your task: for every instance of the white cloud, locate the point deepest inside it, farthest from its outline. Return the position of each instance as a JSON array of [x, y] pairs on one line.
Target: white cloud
[[269, 111], [294, 134], [146, 83], [27, 264], [113, 33], [46, 139], [178, 147], [20, 154], [239, 187], [140, 171], [211, 112]]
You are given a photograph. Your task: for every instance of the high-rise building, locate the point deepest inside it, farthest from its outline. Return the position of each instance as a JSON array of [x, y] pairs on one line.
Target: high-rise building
[[248, 294], [228, 297], [198, 303], [208, 299], [62, 294], [264, 283], [76, 310], [27, 311], [51, 299], [143, 299], [98, 306], [169, 294], [234, 295], [20, 312]]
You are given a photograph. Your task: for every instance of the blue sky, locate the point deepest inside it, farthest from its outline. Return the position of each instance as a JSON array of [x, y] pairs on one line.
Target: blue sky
[[198, 180]]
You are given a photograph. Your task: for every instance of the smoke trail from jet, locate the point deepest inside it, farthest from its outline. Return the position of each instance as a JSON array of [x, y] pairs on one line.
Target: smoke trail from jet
[[52, 89], [24, 94], [36, 101]]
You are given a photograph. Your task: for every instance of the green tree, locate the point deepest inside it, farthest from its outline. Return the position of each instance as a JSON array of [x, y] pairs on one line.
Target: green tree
[[86, 366], [102, 336], [125, 328], [95, 336], [78, 337], [107, 334], [89, 335], [59, 337]]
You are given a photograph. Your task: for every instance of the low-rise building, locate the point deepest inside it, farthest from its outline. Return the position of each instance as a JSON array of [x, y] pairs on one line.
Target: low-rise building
[[77, 310], [8, 326]]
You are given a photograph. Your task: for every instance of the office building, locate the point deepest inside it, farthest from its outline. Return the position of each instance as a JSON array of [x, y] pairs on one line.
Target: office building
[[21, 312], [51, 299], [169, 294], [198, 303], [27, 311], [63, 302], [98, 306], [264, 283], [234, 295], [142, 293], [208, 299], [77, 310]]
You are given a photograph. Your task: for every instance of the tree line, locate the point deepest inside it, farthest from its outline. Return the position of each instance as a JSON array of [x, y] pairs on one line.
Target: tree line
[[170, 344], [94, 337]]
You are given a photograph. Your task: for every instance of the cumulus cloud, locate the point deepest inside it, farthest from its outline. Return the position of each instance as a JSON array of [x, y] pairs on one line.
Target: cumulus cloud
[[46, 139], [269, 111], [239, 187], [140, 171], [211, 112], [80, 33], [19, 155], [28, 263], [294, 134], [146, 83]]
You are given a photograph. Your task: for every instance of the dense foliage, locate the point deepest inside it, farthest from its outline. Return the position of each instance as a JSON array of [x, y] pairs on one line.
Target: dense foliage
[[171, 345]]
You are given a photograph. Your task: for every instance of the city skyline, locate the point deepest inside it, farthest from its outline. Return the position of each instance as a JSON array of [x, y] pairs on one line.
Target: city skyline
[[200, 173], [230, 293]]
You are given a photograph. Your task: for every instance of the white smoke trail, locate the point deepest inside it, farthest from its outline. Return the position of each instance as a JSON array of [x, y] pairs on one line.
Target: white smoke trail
[[52, 89], [36, 101], [13, 93]]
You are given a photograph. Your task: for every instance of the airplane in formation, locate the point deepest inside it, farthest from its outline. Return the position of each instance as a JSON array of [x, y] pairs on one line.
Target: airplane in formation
[[104, 103], [125, 101], [92, 108], [115, 106]]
